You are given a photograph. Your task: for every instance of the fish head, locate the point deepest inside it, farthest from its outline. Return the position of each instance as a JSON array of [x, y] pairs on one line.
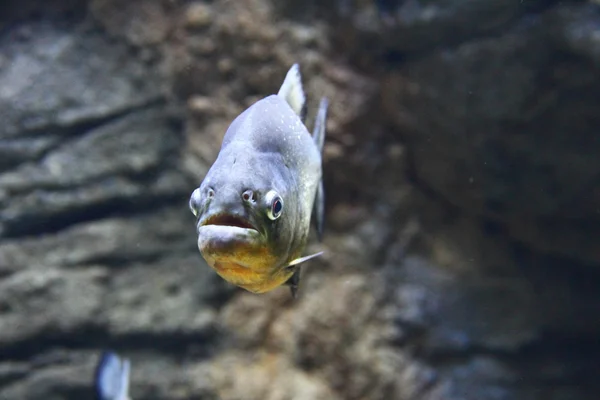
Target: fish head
[[244, 230]]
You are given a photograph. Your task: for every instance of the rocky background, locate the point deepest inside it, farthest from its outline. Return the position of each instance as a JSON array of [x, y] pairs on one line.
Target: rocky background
[[462, 175]]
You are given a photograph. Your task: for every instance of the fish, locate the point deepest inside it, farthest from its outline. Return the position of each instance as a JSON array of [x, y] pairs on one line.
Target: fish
[[111, 377], [257, 203]]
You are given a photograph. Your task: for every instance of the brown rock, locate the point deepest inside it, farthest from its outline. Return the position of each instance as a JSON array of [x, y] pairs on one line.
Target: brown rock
[[198, 15]]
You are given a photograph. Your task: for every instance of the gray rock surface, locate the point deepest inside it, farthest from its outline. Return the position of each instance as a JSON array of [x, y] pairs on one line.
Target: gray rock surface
[[502, 127], [461, 171]]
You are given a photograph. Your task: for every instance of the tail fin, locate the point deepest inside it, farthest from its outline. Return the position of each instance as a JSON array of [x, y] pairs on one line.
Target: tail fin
[[111, 378], [320, 123], [292, 92]]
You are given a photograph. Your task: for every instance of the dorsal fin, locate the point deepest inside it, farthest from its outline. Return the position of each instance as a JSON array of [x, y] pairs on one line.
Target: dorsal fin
[[292, 92]]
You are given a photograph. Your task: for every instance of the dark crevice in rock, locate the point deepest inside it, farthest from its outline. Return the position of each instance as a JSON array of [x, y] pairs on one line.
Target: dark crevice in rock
[[391, 249], [38, 225], [118, 262], [384, 55], [8, 377], [493, 228], [143, 178], [558, 346], [21, 149], [422, 186], [539, 6], [13, 12], [125, 261], [545, 265], [92, 122], [14, 152], [94, 338], [568, 360]]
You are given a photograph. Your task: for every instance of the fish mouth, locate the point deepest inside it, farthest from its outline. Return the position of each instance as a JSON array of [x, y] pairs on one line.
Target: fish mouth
[[227, 220], [227, 238]]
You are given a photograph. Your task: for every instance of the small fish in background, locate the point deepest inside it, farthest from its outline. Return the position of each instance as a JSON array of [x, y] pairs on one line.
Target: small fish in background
[[255, 205], [111, 378]]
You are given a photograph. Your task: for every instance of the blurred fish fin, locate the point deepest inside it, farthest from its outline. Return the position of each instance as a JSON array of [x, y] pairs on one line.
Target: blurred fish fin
[[126, 365], [294, 282], [320, 124], [319, 138], [303, 259], [111, 377], [319, 210], [292, 92]]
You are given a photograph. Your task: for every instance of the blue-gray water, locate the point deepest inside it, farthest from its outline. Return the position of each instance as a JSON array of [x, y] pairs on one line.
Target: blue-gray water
[[462, 183]]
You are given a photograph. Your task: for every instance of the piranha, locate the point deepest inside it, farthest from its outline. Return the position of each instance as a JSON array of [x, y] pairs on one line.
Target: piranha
[[111, 377], [255, 205]]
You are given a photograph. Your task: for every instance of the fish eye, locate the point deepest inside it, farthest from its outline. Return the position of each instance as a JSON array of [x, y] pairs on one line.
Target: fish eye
[[274, 205], [195, 202], [210, 193]]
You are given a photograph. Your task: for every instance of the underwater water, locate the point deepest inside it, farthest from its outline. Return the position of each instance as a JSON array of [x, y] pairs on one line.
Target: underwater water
[[461, 173]]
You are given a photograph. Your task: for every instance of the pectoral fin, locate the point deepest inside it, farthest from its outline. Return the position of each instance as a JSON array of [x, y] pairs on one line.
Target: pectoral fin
[[303, 259], [294, 280]]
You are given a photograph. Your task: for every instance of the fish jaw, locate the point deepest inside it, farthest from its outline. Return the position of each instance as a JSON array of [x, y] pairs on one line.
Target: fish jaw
[[242, 257], [226, 240]]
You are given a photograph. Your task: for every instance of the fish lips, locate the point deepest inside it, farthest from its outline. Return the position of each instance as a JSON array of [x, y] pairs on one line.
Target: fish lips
[[224, 234]]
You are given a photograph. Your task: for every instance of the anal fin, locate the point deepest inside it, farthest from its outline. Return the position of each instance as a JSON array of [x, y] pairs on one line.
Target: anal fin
[[318, 213], [293, 282]]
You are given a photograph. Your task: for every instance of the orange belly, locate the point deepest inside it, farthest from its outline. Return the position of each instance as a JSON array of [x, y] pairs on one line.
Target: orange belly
[[255, 281]]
